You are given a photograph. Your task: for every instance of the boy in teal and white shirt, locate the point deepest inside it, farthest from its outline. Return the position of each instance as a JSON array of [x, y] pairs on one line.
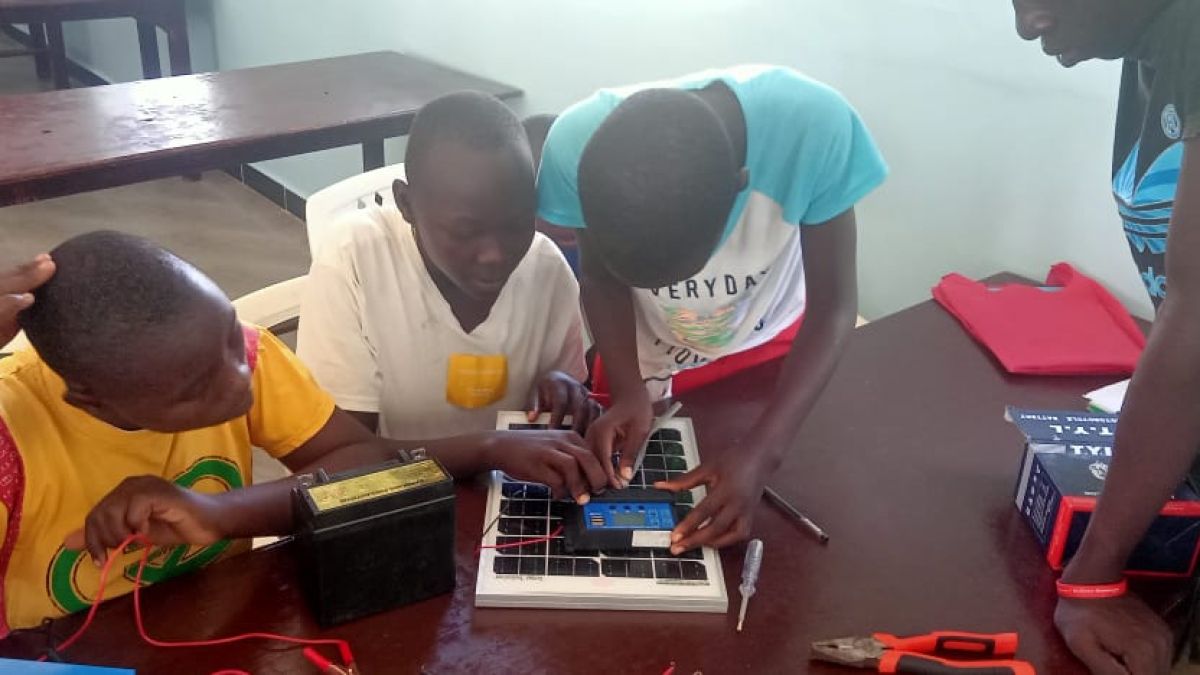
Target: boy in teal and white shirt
[[715, 212]]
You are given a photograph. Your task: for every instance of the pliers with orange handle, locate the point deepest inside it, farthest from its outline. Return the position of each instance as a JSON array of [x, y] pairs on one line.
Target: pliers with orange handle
[[930, 654]]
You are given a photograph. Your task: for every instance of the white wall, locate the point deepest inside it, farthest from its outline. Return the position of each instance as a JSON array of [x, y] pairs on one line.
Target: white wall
[[110, 47], [1000, 158]]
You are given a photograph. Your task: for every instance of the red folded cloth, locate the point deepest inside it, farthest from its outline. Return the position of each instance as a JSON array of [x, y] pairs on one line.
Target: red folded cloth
[[1076, 327]]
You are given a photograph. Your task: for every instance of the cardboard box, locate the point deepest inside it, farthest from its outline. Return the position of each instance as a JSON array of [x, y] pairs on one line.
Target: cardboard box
[[1062, 472]]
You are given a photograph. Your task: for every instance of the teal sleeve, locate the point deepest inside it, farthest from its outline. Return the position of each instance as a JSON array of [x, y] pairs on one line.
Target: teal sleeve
[[558, 175], [811, 153], [853, 167], [843, 163]]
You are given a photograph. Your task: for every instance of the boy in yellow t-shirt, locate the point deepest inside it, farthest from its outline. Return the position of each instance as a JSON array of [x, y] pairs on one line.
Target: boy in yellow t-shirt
[[138, 412]]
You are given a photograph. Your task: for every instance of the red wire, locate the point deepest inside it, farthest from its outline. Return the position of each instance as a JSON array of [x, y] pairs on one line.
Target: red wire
[[523, 542], [87, 622], [342, 645]]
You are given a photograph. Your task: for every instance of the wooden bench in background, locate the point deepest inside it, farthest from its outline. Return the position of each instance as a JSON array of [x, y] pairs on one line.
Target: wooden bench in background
[[45, 19], [64, 142]]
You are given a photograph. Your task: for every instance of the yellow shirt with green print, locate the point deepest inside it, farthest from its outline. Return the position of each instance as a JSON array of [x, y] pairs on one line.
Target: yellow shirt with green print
[[57, 462]]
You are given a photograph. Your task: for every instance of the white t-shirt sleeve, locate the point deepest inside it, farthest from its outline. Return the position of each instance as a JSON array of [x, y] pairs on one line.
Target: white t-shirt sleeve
[[331, 339], [566, 353], [571, 358]]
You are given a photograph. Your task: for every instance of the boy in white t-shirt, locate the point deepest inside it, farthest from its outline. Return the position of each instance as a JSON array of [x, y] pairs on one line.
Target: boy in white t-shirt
[[424, 320], [716, 211]]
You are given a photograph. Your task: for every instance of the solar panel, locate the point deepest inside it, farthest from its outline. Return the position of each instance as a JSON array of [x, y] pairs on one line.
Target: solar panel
[[544, 575]]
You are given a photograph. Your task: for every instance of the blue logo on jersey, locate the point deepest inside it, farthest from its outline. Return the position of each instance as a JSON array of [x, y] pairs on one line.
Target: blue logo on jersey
[[1156, 284], [1145, 203]]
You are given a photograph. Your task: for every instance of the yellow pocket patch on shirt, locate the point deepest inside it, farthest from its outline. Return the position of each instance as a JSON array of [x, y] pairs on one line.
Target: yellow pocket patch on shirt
[[476, 380]]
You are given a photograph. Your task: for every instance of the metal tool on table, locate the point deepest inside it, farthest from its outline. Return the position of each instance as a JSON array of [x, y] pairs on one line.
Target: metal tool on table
[[938, 653], [658, 424], [754, 554], [777, 499]]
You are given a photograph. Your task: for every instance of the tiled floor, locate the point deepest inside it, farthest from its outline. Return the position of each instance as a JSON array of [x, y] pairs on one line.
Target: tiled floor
[[243, 241], [16, 72]]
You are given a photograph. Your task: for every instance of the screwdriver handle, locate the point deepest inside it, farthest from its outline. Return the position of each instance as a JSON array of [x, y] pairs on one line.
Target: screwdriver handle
[[754, 555], [954, 643], [918, 664]]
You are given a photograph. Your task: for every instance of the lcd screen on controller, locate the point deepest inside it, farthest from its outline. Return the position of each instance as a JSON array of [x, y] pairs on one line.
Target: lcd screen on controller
[[629, 519]]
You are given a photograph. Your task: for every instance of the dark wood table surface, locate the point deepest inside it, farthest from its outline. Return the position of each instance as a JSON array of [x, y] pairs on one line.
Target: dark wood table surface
[[906, 461], [63, 142]]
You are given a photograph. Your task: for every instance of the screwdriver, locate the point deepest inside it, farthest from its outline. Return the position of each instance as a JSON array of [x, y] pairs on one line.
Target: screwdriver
[[754, 554]]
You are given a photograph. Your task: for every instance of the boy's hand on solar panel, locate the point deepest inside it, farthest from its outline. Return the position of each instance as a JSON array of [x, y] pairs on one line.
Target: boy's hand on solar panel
[[1116, 636], [622, 428], [16, 286], [724, 516], [557, 459], [148, 505], [560, 394]]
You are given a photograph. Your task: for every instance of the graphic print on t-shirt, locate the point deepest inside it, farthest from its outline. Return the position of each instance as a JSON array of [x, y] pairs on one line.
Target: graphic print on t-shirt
[[1144, 182], [1145, 191], [72, 592], [711, 327]]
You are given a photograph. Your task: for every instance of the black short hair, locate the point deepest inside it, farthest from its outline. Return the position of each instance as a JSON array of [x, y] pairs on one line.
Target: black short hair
[[474, 119], [109, 291], [657, 181]]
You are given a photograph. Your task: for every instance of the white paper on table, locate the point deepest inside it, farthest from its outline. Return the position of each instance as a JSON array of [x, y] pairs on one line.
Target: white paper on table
[[1110, 398]]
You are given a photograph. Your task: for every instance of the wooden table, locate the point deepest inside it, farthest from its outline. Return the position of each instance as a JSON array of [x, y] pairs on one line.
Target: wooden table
[[906, 461], [63, 142], [149, 15]]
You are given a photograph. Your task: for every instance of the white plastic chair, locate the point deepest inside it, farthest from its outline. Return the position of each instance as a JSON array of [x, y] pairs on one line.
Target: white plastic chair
[[329, 205], [277, 307]]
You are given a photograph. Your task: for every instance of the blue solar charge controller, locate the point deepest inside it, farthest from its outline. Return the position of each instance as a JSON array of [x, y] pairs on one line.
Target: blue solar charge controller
[[621, 519]]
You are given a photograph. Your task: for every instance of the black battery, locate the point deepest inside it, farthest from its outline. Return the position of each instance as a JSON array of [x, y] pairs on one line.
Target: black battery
[[376, 538]]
